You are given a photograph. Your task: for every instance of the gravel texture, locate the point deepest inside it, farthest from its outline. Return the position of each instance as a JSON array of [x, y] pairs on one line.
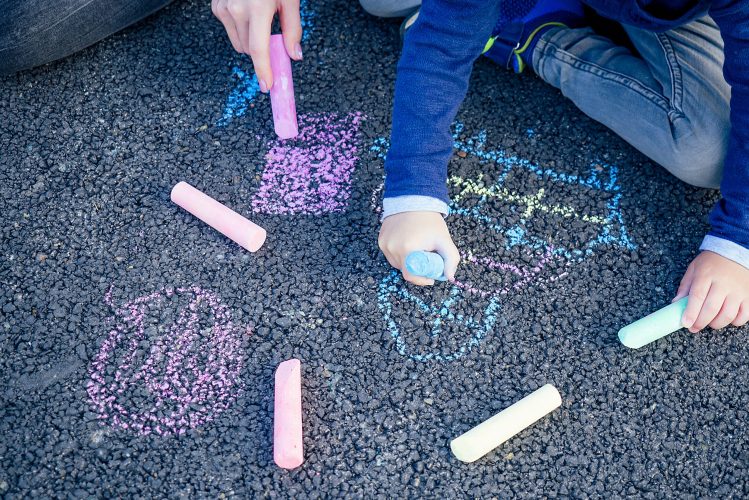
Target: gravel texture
[[138, 346]]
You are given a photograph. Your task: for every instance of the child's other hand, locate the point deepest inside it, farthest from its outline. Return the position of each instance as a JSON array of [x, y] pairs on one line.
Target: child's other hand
[[407, 232], [718, 290], [248, 24]]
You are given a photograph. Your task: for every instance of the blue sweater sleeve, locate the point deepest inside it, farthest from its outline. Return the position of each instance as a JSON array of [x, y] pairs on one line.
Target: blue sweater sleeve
[[438, 54], [730, 217]]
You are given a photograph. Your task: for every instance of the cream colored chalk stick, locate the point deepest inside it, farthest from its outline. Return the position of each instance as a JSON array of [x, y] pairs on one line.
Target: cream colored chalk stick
[[491, 433]]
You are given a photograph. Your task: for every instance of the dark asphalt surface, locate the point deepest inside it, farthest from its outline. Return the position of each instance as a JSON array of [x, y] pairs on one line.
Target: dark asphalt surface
[[98, 268]]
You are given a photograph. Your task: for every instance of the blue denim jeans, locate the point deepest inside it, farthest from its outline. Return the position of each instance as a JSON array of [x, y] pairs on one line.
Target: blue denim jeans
[[669, 100], [35, 32]]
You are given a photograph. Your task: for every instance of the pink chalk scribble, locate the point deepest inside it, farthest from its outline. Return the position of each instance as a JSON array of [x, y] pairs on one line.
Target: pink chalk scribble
[[526, 274], [311, 174], [166, 380]]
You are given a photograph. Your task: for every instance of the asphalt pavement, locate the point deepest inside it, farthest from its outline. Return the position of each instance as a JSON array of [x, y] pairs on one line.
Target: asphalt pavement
[[138, 346]]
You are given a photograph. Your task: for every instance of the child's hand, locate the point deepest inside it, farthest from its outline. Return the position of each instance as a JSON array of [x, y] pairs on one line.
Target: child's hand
[[248, 24], [407, 232], [718, 290]]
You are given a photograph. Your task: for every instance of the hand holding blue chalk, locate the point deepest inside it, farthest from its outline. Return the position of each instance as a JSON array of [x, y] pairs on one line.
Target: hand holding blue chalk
[[654, 326], [426, 264]]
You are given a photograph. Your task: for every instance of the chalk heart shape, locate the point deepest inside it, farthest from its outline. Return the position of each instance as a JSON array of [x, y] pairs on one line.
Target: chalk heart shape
[[169, 378], [445, 324], [425, 329]]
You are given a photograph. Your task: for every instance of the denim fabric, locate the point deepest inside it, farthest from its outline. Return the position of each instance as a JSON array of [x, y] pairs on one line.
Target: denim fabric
[[35, 32], [670, 101]]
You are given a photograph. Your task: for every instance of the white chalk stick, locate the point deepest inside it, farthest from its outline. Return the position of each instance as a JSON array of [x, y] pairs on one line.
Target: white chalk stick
[[491, 433]]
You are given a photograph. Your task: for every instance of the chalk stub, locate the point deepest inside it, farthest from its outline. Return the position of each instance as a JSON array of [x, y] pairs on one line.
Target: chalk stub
[[486, 436], [288, 451], [223, 219], [426, 264], [282, 99], [654, 326]]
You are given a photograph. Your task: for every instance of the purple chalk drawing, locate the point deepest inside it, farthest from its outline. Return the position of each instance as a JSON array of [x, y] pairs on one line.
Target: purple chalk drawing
[[167, 379], [311, 174], [525, 275]]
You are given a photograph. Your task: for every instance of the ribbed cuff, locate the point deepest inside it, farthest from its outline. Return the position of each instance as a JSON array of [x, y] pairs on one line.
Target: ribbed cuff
[[412, 203], [726, 248]]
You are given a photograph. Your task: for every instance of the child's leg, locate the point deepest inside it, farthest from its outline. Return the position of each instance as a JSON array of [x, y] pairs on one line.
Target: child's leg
[[389, 8], [35, 32], [670, 101]]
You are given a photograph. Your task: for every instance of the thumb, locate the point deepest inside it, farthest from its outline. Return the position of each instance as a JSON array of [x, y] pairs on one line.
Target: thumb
[[685, 284]]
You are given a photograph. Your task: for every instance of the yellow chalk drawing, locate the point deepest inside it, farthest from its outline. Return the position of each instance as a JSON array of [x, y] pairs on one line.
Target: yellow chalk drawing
[[532, 202]]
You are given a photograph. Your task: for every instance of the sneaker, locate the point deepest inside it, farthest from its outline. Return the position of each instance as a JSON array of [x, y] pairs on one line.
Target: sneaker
[[521, 24], [408, 22]]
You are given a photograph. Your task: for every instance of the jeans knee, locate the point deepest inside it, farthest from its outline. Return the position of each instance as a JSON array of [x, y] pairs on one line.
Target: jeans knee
[[698, 161], [389, 8]]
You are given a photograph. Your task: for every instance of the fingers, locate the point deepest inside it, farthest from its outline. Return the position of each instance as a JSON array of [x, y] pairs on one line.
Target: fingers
[[697, 295], [742, 317], [258, 47], [248, 24], [397, 259], [726, 314], [685, 285], [416, 280], [390, 258], [710, 308], [221, 11], [291, 27], [451, 255]]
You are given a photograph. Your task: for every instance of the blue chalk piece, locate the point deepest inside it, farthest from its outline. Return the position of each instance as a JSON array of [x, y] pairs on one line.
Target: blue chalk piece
[[426, 264]]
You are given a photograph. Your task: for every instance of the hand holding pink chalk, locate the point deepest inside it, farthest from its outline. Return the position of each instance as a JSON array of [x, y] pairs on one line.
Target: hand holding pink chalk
[[282, 92], [288, 450], [221, 218]]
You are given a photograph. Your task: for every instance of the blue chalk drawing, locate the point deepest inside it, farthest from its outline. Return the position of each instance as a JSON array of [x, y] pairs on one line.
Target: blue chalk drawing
[[393, 286], [240, 97], [247, 87], [392, 289], [308, 19], [380, 147], [613, 230]]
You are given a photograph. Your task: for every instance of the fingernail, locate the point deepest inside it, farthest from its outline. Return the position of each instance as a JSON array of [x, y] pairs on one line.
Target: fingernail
[[263, 86], [298, 51]]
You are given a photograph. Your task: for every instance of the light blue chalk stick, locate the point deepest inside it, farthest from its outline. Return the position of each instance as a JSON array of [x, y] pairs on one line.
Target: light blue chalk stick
[[654, 326], [426, 264]]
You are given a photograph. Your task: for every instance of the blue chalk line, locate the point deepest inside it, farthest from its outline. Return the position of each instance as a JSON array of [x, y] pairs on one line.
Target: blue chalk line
[[613, 232], [247, 88]]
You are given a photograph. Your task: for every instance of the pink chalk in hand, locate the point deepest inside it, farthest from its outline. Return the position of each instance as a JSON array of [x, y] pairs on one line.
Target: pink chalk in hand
[[282, 91], [221, 218], [287, 415]]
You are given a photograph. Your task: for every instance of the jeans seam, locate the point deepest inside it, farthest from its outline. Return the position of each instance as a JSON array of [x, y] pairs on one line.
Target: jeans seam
[[632, 83], [674, 69]]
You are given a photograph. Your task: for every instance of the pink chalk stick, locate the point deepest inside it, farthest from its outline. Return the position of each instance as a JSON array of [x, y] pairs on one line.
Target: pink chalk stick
[[221, 218], [282, 92], [287, 415]]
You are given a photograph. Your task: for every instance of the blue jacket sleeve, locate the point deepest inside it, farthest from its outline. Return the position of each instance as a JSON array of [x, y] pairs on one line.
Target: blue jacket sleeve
[[730, 217], [433, 73]]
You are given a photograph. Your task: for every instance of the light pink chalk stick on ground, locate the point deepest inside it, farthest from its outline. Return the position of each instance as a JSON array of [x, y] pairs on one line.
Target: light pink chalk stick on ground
[[287, 415], [282, 91], [221, 218]]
